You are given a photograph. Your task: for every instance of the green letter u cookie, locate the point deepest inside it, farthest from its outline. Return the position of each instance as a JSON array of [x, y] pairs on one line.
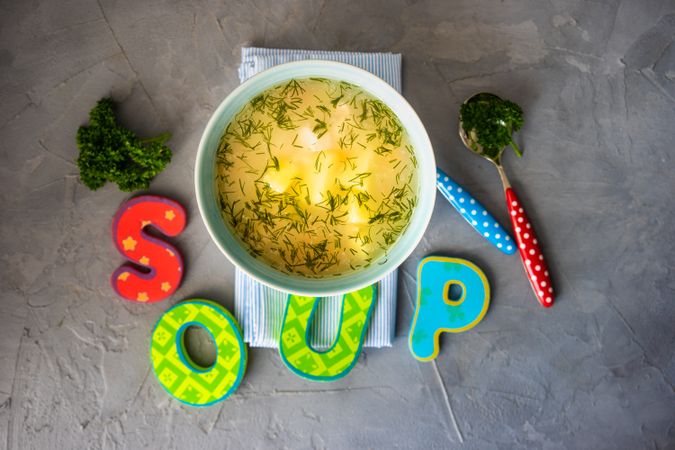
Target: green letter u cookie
[[338, 360], [178, 374]]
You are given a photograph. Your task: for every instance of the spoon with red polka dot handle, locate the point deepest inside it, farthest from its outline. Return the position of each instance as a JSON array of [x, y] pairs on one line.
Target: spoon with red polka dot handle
[[526, 240]]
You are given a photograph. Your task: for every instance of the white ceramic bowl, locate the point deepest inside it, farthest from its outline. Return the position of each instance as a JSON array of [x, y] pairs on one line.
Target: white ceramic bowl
[[232, 246]]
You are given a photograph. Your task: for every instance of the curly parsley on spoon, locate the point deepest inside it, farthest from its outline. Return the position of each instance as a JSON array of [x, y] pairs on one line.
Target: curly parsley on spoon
[[486, 126]]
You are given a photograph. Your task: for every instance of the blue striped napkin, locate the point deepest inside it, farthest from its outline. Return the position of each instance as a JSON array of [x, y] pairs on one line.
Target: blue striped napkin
[[259, 308]]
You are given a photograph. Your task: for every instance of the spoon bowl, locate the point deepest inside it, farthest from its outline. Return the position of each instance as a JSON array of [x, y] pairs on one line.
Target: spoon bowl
[[470, 139]]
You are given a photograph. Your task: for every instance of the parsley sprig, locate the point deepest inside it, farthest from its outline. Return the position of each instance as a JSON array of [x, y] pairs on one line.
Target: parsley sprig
[[110, 152]]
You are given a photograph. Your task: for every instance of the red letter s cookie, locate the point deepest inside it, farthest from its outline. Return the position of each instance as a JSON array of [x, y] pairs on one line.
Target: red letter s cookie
[[163, 263]]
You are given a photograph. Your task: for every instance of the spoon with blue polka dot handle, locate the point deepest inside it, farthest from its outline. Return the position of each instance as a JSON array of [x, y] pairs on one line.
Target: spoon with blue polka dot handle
[[526, 240], [474, 213]]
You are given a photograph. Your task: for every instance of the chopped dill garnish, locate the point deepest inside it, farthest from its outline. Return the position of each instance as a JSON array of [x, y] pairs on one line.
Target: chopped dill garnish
[[320, 128], [317, 161], [336, 100], [311, 207]]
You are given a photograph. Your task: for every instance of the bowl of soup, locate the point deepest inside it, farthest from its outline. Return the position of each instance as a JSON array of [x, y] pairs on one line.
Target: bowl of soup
[[315, 178]]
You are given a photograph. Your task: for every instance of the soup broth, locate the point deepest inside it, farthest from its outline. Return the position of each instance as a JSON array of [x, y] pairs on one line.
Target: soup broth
[[317, 177]]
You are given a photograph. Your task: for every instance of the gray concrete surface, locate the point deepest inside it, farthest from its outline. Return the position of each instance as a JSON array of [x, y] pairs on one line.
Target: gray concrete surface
[[597, 82]]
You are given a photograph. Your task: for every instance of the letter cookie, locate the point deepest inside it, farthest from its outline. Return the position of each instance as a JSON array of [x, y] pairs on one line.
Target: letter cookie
[[162, 263], [435, 312], [178, 374], [337, 361]]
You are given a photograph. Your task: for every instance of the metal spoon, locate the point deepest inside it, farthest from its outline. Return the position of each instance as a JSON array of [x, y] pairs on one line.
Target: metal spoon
[[528, 246]]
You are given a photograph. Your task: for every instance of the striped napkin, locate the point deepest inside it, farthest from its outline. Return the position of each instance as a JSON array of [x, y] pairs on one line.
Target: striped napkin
[[259, 308]]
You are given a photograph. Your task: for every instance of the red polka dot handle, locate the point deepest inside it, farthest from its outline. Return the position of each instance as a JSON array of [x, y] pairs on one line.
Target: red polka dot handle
[[530, 253]]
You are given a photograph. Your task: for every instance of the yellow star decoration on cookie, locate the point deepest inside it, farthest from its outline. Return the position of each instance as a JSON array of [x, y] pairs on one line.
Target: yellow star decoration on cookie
[[169, 252], [123, 276], [169, 215], [166, 286], [145, 222], [144, 260], [142, 297], [129, 244]]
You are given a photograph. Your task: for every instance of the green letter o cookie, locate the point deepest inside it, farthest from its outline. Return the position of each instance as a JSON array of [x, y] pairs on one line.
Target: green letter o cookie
[[178, 374]]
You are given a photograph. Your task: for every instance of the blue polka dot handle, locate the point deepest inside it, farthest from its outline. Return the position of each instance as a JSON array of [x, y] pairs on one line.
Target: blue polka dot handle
[[474, 213]]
